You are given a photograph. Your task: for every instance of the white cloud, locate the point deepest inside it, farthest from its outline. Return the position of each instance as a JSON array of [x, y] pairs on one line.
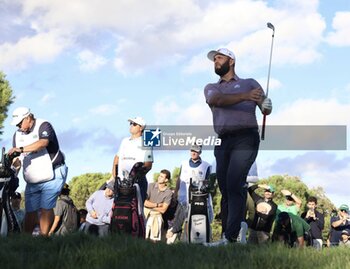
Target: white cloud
[[187, 109], [341, 26], [104, 110], [47, 98], [198, 63], [41, 48], [88, 61], [311, 112], [155, 33], [274, 84]]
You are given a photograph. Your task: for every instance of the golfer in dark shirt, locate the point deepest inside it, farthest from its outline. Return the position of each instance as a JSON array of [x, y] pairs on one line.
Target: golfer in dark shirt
[[233, 101]]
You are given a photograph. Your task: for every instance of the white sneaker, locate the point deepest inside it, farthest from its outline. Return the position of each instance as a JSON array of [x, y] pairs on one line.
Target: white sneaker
[[221, 242], [242, 236]]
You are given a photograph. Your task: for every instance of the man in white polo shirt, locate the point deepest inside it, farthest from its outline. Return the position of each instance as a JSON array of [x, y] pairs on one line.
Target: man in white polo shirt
[[44, 167], [131, 151]]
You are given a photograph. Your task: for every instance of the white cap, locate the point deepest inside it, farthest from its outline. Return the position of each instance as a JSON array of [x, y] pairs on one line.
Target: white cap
[[19, 114], [140, 121], [224, 51], [196, 148]]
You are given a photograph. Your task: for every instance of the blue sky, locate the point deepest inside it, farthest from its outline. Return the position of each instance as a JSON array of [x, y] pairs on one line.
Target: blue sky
[[87, 66]]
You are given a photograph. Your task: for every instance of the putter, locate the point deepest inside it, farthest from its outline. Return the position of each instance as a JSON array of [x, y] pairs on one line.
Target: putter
[[269, 25]]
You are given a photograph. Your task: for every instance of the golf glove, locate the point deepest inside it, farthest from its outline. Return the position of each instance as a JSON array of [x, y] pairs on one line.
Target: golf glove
[[266, 105]]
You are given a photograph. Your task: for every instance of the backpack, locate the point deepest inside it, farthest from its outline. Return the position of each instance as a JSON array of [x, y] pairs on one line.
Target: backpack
[[70, 220], [127, 215]]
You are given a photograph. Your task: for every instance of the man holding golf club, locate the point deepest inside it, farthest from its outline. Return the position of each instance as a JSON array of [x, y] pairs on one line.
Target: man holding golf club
[[233, 101]]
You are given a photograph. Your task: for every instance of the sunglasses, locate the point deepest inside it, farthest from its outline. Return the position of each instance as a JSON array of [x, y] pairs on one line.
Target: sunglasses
[[134, 124], [343, 210]]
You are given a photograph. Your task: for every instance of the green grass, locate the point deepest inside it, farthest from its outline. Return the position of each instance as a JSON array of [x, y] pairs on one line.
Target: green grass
[[83, 251]]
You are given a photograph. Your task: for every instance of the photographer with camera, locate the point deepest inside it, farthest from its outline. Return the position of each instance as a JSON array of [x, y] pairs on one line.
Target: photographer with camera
[[316, 221], [339, 223]]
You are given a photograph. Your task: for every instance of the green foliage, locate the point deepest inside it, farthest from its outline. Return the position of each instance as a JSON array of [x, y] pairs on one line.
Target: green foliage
[[84, 185], [297, 187], [83, 251], [291, 183], [6, 99]]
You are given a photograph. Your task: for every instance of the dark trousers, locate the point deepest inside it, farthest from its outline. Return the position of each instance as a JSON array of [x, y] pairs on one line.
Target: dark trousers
[[234, 157], [143, 188]]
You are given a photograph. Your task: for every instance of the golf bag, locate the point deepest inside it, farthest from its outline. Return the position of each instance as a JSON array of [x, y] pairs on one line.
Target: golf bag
[[127, 211], [198, 213], [8, 185]]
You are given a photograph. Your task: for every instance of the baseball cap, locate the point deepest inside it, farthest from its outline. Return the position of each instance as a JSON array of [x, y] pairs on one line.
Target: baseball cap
[[344, 207], [196, 148], [345, 232], [110, 186], [140, 121], [16, 195], [19, 114], [270, 189], [211, 54]]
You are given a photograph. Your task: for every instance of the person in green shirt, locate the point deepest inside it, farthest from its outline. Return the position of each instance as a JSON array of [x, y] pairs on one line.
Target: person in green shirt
[[291, 204], [291, 229]]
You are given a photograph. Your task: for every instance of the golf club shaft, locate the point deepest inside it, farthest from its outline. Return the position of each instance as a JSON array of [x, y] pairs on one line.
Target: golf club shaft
[[269, 25]]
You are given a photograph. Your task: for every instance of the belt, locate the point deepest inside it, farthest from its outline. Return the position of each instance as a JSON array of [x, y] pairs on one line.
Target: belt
[[58, 165], [238, 133]]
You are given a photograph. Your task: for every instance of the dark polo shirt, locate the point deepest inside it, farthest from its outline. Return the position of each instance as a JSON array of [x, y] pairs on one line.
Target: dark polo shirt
[[232, 118]]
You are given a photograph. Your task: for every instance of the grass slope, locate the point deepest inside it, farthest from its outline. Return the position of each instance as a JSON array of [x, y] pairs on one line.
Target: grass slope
[[83, 251]]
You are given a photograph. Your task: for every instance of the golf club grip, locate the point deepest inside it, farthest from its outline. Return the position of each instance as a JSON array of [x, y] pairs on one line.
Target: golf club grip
[[263, 128]]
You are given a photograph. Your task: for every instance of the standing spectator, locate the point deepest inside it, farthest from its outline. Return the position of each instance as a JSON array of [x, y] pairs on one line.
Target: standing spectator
[[291, 203], [291, 229], [316, 221], [66, 215], [43, 164], [157, 202], [197, 169], [339, 223], [131, 151], [233, 102], [265, 214], [16, 199], [99, 207], [334, 213], [345, 242]]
